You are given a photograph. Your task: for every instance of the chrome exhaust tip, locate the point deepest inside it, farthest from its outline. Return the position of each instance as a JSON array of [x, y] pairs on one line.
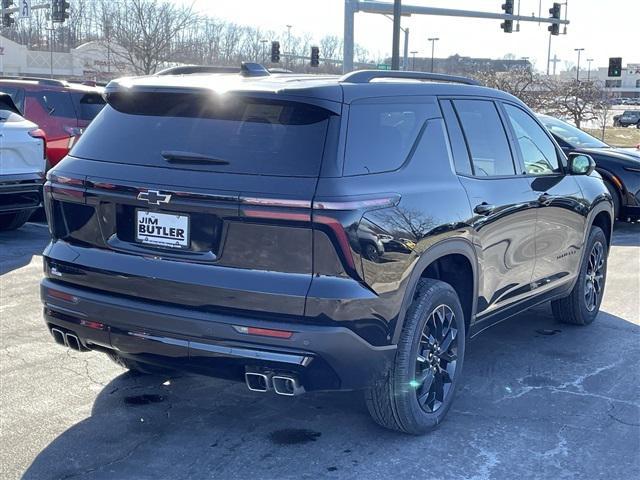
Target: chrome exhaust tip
[[258, 382], [287, 385], [73, 342], [58, 336]]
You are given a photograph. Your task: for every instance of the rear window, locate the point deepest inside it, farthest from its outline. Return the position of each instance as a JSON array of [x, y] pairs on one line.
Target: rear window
[[87, 105], [235, 135]]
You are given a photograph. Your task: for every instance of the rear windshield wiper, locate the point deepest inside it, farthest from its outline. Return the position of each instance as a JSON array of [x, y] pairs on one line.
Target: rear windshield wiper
[[175, 156]]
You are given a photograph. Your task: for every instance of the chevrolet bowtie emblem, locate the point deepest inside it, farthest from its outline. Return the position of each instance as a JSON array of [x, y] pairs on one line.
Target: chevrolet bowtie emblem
[[154, 197]]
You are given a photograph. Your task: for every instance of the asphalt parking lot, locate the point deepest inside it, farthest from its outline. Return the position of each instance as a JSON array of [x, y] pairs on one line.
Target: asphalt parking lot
[[540, 400]]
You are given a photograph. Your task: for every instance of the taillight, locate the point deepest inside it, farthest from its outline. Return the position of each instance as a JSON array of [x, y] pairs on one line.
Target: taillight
[[321, 212], [39, 133]]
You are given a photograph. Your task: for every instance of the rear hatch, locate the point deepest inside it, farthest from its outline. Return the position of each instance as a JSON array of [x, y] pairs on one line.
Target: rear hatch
[[193, 198]]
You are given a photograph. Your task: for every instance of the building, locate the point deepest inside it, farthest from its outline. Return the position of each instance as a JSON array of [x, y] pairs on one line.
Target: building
[[625, 86], [459, 65], [91, 61]]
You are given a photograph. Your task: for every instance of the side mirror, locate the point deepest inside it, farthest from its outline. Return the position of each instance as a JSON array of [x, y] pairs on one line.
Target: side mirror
[[581, 164]]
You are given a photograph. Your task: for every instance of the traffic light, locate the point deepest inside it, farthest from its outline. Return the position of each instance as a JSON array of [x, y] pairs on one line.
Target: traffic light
[[7, 18], [615, 67], [275, 52], [59, 10], [554, 28], [507, 25], [315, 56]]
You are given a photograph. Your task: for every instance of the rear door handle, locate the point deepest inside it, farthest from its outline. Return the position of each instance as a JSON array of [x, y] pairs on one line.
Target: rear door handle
[[484, 209]]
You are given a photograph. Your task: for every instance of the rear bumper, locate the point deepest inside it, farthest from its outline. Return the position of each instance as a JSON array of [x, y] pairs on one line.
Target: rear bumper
[[324, 358], [20, 192]]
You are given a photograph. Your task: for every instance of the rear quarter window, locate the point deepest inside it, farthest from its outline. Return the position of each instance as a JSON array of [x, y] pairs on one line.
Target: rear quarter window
[[381, 136]]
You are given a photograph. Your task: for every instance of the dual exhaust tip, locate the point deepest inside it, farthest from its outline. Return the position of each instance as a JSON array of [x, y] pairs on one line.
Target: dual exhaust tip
[[283, 384], [67, 339]]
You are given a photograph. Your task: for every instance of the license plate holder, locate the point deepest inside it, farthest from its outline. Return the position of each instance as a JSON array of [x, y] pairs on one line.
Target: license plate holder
[[167, 230]]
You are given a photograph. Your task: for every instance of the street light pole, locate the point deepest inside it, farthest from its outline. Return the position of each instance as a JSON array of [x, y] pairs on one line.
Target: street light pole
[[589, 60], [433, 49], [579, 50], [395, 50]]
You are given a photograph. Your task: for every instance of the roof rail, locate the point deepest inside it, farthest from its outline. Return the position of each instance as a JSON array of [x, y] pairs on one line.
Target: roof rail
[[365, 76], [43, 81]]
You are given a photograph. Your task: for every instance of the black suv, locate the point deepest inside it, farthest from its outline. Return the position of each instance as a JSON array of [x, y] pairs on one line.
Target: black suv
[[219, 224]]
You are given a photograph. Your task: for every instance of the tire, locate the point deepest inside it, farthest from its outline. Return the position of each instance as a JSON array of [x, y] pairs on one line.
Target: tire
[[138, 367], [393, 400], [579, 308], [371, 252], [615, 195], [638, 125], [13, 221]]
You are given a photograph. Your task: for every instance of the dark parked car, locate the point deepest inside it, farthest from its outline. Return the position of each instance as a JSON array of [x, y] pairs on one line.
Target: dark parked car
[[214, 224], [61, 109], [619, 168], [628, 119]]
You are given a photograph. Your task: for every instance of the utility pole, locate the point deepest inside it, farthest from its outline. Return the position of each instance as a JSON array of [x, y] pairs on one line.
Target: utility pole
[[579, 50], [433, 49], [549, 57], [264, 42], [289, 52], [413, 61], [589, 60], [395, 52]]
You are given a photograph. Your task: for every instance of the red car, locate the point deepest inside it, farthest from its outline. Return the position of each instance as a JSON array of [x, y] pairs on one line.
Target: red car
[[61, 109]]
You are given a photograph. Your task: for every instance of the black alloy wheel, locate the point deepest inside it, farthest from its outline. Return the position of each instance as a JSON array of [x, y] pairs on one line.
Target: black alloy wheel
[[436, 359], [594, 279]]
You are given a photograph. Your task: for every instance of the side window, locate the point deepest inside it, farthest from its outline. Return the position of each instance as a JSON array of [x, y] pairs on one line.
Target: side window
[[456, 140], [486, 138], [55, 104], [87, 105], [538, 151], [381, 136]]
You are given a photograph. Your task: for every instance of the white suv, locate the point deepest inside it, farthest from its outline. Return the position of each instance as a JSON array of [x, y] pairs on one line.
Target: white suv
[[22, 166]]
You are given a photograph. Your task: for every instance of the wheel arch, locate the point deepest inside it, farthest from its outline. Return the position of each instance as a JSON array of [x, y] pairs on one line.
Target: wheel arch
[[434, 263]]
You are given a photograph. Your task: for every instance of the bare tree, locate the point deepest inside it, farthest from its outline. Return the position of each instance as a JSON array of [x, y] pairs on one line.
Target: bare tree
[[145, 31], [530, 87], [578, 101], [141, 36]]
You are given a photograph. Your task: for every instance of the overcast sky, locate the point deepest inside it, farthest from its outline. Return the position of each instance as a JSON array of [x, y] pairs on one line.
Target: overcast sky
[[604, 28]]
